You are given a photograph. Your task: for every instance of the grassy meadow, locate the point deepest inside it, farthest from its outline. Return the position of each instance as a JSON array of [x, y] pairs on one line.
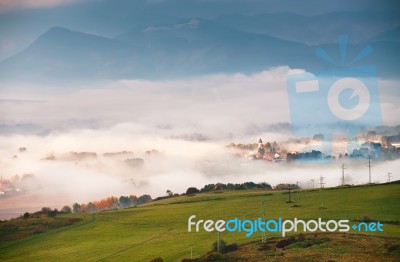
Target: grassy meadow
[[159, 228]]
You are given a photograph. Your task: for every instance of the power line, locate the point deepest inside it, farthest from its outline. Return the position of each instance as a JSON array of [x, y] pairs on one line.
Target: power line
[[218, 242], [264, 234], [369, 168], [389, 175], [343, 168], [321, 181]]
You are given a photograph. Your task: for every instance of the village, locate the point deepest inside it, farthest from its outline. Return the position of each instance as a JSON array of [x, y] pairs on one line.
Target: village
[[371, 145]]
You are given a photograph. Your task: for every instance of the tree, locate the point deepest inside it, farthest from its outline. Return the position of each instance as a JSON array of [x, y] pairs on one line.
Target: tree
[[144, 199], [169, 193], [52, 213], [26, 215], [91, 207], [66, 210], [287, 186], [192, 190], [46, 210], [112, 202], [124, 201], [76, 208]]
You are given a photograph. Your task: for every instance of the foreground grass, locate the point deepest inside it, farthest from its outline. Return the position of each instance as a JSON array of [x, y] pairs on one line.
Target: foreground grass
[[316, 247], [37, 224], [159, 229]]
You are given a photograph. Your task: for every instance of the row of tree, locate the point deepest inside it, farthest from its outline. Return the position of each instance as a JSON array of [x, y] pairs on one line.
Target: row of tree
[[242, 186], [111, 203], [231, 186]]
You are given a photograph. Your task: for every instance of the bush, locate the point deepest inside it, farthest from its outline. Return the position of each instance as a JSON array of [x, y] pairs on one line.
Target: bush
[[26, 215], [46, 210], [214, 256], [264, 247], [192, 190], [66, 210], [392, 248], [224, 248], [157, 259], [285, 242], [230, 248], [52, 213], [301, 237]]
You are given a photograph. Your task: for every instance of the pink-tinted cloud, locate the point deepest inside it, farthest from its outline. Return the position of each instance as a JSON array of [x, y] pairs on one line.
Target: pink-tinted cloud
[[28, 4]]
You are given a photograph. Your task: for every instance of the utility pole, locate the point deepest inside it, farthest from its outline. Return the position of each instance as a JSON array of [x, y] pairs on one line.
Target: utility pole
[[218, 243], [321, 183], [369, 168], [297, 192], [389, 176], [313, 181], [290, 197], [264, 234], [343, 168]]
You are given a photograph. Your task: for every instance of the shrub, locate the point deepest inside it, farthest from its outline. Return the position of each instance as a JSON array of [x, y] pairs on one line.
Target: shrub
[[214, 256], [301, 237], [393, 247], [224, 248], [157, 259], [66, 210], [264, 247], [285, 242], [192, 190]]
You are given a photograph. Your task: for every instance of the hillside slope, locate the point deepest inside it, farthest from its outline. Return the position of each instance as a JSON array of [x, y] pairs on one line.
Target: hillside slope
[[159, 229]]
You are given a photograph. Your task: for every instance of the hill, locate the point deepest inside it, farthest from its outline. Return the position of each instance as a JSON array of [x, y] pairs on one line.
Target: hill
[[159, 229]]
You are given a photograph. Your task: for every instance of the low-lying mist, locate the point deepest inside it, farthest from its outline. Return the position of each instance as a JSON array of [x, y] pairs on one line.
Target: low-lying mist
[[83, 137]]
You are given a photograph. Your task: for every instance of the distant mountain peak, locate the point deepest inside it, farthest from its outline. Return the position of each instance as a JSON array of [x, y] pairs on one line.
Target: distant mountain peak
[[58, 29], [193, 23]]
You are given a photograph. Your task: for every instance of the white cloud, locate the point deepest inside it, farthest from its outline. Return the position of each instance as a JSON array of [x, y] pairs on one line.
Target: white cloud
[[214, 106]]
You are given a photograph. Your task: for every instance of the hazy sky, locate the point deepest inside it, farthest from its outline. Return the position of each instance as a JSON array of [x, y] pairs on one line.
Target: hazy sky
[[22, 21]]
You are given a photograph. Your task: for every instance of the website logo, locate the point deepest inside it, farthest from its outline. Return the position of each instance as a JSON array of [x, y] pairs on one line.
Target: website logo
[[342, 100], [249, 227]]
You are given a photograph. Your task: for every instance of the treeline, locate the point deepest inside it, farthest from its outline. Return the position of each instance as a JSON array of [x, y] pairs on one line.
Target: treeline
[[111, 203], [287, 187], [231, 186], [368, 149]]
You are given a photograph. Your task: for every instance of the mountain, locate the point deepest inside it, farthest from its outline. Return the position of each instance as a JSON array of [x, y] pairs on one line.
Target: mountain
[[391, 35], [199, 46], [63, 54], [191, 47], [314, 30]]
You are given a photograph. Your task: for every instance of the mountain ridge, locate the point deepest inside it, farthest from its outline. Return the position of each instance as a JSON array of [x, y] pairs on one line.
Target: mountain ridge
[[192, 47]]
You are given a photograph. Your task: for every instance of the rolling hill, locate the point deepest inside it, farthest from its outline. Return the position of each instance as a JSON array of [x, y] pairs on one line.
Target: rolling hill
[[159, 229]]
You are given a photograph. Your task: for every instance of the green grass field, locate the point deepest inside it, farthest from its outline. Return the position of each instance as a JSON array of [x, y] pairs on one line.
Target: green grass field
[[159, 229]]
